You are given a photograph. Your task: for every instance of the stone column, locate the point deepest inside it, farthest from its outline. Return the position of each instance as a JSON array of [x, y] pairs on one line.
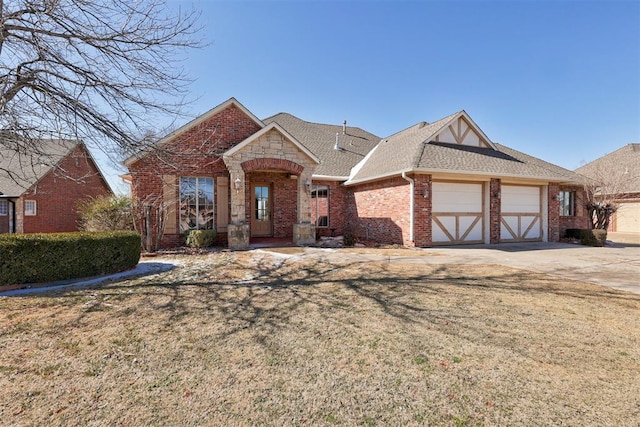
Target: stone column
[[238, 230], [304, 197], [304, 232]]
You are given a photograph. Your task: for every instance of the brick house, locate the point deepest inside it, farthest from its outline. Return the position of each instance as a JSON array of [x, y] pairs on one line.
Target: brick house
[[619, 172], [40, 191], [434, 183]]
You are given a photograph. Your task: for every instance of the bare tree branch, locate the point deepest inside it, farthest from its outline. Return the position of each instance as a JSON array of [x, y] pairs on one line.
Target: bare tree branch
[[605, 187], [104, 71]]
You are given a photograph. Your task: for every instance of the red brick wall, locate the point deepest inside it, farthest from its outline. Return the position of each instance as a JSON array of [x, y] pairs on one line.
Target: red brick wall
[[58, 193], [553, 213], [337, 208], [379, 211], [422, 212], [494, 210], [195, 152], [581, 217]]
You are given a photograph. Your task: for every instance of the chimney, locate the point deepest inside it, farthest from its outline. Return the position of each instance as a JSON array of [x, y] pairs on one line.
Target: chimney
[[344, 127]]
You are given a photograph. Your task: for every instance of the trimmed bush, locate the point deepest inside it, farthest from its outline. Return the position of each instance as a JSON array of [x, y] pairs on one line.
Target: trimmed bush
[[37, 258], [201, 238], [600, 237], [574, 233], [348, 239], [595, 237]]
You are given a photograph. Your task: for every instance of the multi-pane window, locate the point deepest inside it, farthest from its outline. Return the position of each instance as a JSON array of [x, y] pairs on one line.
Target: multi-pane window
[[29, 207], [566, 201], [196, 203], [320, 205], [4, 208], [262, 203]]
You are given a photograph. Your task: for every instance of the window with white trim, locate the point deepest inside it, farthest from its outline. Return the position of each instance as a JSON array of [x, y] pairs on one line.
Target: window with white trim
[[30, 207], [4, 208], [566, 200], [196, 204], [320, 205]]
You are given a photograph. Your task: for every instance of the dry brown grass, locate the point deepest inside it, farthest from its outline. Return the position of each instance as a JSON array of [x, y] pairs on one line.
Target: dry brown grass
[[258, 339]]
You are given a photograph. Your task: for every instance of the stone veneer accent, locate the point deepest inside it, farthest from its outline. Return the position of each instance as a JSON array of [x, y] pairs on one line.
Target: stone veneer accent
[[271, 151], [304, 234]]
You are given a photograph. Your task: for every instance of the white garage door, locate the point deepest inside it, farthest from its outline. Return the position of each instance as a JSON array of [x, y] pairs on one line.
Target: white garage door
[[520, 213], [457, 213], [628, 217]]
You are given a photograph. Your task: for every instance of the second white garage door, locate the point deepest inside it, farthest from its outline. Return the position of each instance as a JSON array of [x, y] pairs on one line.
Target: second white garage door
[[457, 213], [520, 213], [628, 217]]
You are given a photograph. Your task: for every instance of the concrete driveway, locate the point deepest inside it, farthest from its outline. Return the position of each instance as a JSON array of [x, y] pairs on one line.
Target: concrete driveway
[[616, 266], [613, 266]]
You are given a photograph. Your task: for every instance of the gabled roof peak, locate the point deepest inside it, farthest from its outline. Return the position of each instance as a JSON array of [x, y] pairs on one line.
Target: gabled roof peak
[[199, 119]]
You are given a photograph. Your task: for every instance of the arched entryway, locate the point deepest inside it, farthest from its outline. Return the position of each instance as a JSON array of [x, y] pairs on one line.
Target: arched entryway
[[270, 174]]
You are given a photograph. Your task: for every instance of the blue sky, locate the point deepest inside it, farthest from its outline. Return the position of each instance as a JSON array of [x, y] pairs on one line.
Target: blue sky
[[559, 80]]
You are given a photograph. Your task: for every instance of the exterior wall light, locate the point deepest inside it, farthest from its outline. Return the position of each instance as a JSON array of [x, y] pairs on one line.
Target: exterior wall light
[[237, 183], [307, 184], [425, 193]]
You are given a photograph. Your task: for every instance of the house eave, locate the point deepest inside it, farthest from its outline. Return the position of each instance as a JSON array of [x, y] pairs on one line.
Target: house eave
[[471, 174], [329, 178]]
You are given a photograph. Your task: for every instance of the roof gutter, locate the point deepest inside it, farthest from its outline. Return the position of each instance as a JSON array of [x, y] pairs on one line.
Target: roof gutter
[[411, 204], [460, 172]]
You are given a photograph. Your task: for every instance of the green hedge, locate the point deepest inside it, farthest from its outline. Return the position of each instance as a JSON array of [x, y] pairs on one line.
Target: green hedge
[[37, 258]]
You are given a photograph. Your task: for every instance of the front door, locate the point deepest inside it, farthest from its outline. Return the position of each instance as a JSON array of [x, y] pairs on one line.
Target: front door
[[261, 223]]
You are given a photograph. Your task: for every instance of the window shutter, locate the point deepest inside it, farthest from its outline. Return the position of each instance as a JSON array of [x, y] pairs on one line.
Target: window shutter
[[222, 201], [169, 203]]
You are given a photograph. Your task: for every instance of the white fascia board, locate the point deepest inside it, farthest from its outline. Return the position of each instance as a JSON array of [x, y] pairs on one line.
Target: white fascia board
[[460, 172], [361, 163], [329, 178], [377, 177]]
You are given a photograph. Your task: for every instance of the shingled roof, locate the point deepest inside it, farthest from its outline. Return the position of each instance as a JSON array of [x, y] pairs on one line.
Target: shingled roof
[[414, 149], [621, 166], [21, 168], [320, 139], [399, 152]]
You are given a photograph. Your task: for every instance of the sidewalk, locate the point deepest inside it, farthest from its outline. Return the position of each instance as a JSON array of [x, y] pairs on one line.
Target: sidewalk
[[144, 268]]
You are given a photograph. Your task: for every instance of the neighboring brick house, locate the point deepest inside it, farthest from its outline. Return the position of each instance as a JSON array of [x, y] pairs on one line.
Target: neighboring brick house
[[430, 184], [619, 174], [40, 191]]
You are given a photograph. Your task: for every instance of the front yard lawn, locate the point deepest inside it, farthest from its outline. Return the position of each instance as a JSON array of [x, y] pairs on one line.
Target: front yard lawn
[[256, 338]]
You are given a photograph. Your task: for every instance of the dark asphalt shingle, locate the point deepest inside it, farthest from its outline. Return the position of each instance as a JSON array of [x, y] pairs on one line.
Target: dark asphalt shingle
[[20, 168]]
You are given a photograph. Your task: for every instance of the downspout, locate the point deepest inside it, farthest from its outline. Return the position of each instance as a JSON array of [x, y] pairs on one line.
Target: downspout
[[411, 204]]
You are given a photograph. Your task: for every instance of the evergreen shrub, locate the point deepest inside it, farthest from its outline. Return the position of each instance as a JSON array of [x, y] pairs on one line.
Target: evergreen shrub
[[48, 257]]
